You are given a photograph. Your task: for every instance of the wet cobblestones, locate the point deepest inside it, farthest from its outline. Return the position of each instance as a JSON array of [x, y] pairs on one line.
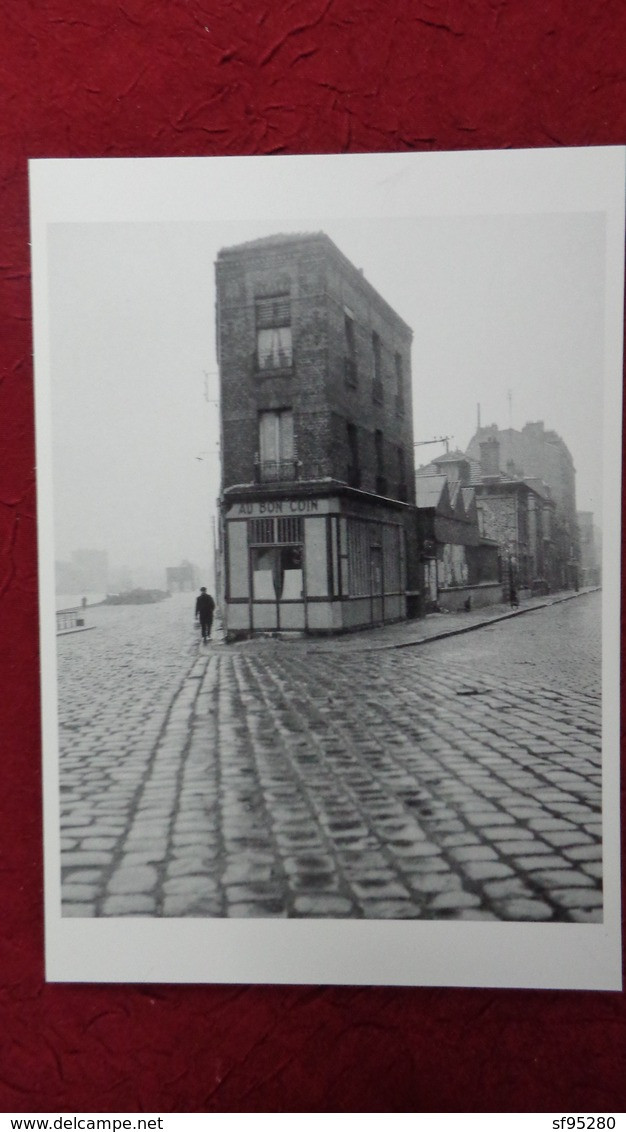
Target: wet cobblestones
[[460, 780]]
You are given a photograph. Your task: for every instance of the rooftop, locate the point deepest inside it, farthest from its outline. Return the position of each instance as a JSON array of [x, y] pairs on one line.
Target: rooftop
[[428, 490], [285, 239], [275, 241]]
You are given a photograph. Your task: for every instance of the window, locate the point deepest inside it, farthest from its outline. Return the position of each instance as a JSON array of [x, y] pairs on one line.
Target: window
[[377, 355], [403, 489], [277, 573], [399, 384], [287, 529], [378, 443], [381, 482], [392, 537], [261, 530], [290, 529], [399, 375], [359, 559], [353, 471], [350, 370], [377, 383], [273, 332], [276, 445]]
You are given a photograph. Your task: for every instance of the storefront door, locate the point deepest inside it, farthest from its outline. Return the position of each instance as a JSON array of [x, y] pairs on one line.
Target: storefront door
[[277, 587]]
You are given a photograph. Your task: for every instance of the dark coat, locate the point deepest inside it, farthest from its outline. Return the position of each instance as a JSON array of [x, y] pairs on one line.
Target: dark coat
[[204, 606]]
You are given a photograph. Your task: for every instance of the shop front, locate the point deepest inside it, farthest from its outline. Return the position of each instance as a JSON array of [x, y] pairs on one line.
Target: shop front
[[313, 563]]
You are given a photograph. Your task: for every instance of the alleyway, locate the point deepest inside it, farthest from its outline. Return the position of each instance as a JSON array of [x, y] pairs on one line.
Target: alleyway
[[456, 779]]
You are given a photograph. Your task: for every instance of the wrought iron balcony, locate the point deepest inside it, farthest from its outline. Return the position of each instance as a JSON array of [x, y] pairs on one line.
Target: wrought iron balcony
[[270, 363], [276, 471]]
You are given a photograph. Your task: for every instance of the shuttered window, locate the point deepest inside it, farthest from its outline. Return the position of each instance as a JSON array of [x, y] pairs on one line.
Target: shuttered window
[[260, 530], [273, 311], [273, 332], [290, 529]]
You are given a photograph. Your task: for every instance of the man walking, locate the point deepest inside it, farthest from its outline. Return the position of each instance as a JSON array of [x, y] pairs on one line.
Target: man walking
[[204, 610]]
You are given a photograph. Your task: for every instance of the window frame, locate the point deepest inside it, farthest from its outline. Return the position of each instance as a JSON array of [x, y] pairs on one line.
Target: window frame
[[273, 316]]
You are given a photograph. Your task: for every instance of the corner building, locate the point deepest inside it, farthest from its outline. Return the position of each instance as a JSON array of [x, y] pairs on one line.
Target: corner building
[[318, 486]]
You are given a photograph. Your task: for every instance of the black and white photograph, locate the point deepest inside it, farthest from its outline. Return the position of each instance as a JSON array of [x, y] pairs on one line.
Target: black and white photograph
[[329, 456]]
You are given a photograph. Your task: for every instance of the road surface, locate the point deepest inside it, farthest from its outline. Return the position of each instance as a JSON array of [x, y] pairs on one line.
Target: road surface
[[458, 779]]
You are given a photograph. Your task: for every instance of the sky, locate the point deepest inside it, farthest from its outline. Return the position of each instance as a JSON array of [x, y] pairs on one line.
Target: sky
[[507, 312]]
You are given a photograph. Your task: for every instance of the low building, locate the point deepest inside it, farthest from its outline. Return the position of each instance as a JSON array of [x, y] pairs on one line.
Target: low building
[[460, 566], [317, 442], [181, 579]]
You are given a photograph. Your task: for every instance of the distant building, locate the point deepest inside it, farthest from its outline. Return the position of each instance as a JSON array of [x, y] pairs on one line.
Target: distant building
[[518, 513], [317, 441], [181, 579], [460, 565], [590, 550], [540, 458]]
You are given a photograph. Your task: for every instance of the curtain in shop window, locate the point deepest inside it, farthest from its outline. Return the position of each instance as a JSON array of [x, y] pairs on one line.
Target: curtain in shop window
[[263, 565], [277, 573]]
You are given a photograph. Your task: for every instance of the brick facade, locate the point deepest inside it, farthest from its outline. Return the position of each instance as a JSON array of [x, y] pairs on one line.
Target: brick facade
[[327, 386], [317, 441]]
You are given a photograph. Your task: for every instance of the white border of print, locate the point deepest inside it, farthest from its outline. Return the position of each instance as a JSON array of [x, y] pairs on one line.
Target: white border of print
[[348, 951]]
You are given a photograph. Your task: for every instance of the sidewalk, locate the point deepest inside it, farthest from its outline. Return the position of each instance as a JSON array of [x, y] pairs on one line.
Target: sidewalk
[[437, 626]]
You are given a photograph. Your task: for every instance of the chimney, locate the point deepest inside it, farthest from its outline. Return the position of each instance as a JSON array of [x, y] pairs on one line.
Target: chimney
[[490, 457]]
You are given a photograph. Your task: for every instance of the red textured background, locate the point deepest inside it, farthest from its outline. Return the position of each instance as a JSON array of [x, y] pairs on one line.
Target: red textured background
[[91, 78]]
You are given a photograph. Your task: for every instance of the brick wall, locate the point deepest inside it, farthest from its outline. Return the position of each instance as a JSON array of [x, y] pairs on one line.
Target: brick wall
[[245, 390], [322, 285]]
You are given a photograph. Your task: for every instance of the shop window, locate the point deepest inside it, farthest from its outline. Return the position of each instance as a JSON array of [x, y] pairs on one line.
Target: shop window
[[273, 332], [263, 574], [261, 530], [392, 556], [290, 529], [359, 559], [277, 573]]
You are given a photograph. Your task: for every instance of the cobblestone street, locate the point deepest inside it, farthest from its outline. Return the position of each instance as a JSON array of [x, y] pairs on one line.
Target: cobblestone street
[[458, 778]]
